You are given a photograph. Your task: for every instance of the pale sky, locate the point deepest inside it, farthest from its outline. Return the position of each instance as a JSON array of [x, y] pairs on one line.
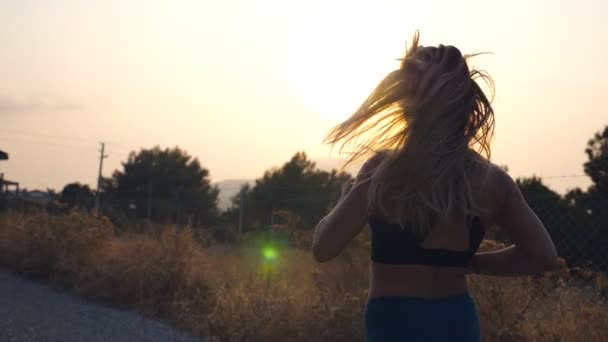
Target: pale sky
[[243, 85]]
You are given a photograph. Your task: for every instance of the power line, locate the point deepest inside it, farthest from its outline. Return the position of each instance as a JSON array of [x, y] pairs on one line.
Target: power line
[[563, 176], [117, 145], [43, 135], [123, 151], [46, 143]]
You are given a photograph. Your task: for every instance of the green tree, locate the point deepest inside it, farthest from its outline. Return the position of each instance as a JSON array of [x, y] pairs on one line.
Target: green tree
[[595, 201], [298, 187], [77, 195], [165, 185], [597, 165]]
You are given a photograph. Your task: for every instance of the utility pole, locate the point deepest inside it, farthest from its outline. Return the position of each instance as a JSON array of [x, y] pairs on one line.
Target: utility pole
[[102, 156]]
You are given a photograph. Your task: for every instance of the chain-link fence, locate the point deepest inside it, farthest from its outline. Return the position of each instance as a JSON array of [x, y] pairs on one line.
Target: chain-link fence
[[577, 221]]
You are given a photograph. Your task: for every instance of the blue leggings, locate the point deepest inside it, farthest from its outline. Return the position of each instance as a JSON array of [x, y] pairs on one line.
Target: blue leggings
[[452, 318]]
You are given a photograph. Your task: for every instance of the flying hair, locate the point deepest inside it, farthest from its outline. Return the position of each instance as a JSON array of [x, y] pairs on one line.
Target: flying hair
[[432, 123]]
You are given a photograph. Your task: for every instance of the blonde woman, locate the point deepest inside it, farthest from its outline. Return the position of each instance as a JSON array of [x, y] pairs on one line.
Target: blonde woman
[[427, 192]]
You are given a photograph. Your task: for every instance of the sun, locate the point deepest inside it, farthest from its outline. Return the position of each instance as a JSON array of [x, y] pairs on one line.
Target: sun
[[338, 55]]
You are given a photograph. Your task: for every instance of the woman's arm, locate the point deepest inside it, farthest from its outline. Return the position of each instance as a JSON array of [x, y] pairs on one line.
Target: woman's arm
[[342, 224], [508, 261], [533, 251], [346, 219]]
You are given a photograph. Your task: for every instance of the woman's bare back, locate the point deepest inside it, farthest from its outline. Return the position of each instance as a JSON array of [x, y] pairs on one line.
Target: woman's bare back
[[451, 234]]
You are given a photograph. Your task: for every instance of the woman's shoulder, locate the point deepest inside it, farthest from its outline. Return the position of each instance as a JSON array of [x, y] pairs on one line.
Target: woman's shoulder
[[380, 155], [376, 159], [493, 184], [370, 165], [482, 164]]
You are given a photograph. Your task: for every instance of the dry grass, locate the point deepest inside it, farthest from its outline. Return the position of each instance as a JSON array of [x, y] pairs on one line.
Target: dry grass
[[232, 294]]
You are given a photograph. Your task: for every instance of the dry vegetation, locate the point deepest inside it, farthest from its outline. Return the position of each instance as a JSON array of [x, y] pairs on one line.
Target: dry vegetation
[[230, 292]]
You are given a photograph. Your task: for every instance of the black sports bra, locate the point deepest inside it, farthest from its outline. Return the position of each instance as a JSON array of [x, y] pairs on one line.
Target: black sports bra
[[392, 245]]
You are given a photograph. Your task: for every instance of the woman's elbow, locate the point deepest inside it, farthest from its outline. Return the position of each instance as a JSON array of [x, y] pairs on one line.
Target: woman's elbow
[[551, 264], [321, 254], [548, 263]]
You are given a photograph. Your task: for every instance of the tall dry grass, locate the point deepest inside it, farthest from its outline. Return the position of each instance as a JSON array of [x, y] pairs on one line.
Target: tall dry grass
[[232, 294]]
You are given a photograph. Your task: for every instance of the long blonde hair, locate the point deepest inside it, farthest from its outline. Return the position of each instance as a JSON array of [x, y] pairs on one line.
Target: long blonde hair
[[437, 122]]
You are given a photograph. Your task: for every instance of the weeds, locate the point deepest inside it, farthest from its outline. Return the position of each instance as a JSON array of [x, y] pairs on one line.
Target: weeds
[[233, 294]]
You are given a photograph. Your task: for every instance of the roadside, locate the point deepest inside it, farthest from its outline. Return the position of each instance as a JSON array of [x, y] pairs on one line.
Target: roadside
[[31, 311]]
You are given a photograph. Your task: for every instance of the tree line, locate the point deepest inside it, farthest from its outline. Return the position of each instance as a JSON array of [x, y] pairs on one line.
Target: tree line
[[170, 186]]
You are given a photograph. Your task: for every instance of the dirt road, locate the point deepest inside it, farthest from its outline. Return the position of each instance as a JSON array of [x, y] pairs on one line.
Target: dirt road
[[31, 311]]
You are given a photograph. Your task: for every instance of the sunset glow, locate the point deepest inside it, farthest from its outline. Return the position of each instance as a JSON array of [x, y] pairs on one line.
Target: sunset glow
[[338, 55], [243, 85]]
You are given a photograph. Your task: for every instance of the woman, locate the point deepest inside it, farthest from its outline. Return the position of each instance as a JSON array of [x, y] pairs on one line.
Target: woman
[[427, 193]]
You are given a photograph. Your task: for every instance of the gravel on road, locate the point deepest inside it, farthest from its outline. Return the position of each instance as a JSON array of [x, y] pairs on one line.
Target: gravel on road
[[31, 311]]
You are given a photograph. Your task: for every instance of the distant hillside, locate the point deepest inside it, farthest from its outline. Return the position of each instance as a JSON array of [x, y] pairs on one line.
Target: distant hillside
[[230, 187]]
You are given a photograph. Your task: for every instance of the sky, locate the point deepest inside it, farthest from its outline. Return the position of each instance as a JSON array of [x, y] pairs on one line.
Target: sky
[[243, 85]]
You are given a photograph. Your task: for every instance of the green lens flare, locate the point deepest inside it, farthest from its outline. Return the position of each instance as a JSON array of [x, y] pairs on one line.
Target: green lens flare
[[269, 253]]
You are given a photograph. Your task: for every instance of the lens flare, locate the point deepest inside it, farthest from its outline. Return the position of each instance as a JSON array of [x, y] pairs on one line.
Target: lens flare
[[269, 253]]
